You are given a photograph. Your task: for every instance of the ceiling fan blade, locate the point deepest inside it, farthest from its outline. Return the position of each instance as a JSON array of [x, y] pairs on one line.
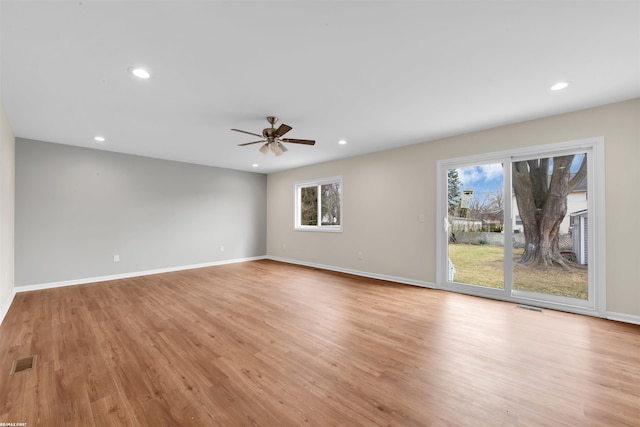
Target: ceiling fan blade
[[249, 133], [249, 143], [264, 149], [299, 141], [282, 130]]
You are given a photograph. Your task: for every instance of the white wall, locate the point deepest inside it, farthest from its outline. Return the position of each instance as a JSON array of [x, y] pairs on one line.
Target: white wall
[[384, 194], [78, 207], [7, 204]]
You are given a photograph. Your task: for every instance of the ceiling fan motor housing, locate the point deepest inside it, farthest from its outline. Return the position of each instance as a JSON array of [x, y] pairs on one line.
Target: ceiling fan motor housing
[[268, 133]]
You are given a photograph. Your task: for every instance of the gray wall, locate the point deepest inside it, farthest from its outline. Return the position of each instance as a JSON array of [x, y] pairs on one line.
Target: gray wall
[[77, 207], [7, 203]]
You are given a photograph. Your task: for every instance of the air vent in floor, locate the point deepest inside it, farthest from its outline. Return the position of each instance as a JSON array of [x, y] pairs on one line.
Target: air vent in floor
[[23, 364], [528, 307]]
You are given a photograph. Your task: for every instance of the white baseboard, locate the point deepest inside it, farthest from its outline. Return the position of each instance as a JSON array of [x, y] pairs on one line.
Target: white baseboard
[[4, 309], [622, 317], [83, 281], [396, 279], [6, 305]]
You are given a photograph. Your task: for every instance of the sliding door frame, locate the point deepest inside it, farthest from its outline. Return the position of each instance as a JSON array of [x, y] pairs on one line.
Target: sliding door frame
[[596, 305]]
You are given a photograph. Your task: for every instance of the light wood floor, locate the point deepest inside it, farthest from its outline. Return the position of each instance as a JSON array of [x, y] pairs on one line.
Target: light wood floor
[[270, 344]]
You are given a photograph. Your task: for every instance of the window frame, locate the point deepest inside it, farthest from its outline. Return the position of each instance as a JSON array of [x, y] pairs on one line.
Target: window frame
[[297, 226]]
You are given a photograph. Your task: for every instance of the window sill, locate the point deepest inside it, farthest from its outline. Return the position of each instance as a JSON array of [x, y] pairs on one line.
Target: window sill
[[325, 229]]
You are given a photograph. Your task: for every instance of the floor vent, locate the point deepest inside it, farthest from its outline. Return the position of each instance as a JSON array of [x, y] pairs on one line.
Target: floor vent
[[528, 307], [23, 364]]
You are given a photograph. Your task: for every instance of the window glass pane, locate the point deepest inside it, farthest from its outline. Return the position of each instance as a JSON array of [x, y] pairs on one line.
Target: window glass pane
[[330, 203], [309, 205]]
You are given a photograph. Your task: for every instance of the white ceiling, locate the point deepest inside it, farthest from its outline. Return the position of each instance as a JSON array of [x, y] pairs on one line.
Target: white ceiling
[[378, 74]]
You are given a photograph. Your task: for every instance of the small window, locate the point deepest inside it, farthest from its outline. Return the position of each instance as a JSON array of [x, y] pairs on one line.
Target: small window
[[319, 205]]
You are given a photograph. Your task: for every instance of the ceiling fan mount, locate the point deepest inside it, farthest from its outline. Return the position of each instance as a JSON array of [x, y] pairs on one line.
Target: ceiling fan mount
[[272, 120], [272, 137]]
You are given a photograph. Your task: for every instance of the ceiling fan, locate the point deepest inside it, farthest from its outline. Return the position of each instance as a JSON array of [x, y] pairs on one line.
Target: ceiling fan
[[273, 138]]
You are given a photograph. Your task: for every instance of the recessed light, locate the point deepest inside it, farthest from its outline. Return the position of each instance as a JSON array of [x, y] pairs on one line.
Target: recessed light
[[99, 138], [559, 86], [342, 142], [255, 165], [140, 73]]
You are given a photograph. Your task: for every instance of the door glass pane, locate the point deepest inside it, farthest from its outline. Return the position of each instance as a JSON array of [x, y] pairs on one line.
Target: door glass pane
[[476, 221], [550, 226]]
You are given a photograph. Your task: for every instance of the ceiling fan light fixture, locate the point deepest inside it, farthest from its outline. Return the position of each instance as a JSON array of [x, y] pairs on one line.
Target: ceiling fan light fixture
[[276, 149], [282, 147], [265, 148]]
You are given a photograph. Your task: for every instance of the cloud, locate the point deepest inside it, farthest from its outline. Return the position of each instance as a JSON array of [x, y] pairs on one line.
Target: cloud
[[481, 174]]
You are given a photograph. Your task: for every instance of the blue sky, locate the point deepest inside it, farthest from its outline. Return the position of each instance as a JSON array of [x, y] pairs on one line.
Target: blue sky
[[485, 179]]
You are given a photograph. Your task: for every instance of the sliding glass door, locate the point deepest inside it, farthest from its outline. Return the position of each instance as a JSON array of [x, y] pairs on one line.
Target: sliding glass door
[[521, 226]]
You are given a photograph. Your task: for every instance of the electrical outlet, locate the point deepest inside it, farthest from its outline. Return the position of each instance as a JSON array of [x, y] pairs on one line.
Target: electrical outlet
[[421, 217], [221, 248], [360, 255], [116, 258]]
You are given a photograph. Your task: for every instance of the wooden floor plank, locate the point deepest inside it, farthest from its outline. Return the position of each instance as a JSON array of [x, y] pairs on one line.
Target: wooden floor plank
[[270, 344]]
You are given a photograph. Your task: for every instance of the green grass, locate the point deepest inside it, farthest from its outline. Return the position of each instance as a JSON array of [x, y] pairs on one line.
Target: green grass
[[483, 265], [478, 264]]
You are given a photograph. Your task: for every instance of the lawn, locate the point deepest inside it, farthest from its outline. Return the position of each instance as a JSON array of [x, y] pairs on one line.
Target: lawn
[[483, 265]]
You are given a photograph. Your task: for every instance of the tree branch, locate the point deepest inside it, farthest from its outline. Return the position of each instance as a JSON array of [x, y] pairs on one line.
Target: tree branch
[[579, 176]]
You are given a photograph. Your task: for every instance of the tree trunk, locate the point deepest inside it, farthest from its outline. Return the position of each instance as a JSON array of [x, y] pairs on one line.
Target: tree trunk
[[542, 204]]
